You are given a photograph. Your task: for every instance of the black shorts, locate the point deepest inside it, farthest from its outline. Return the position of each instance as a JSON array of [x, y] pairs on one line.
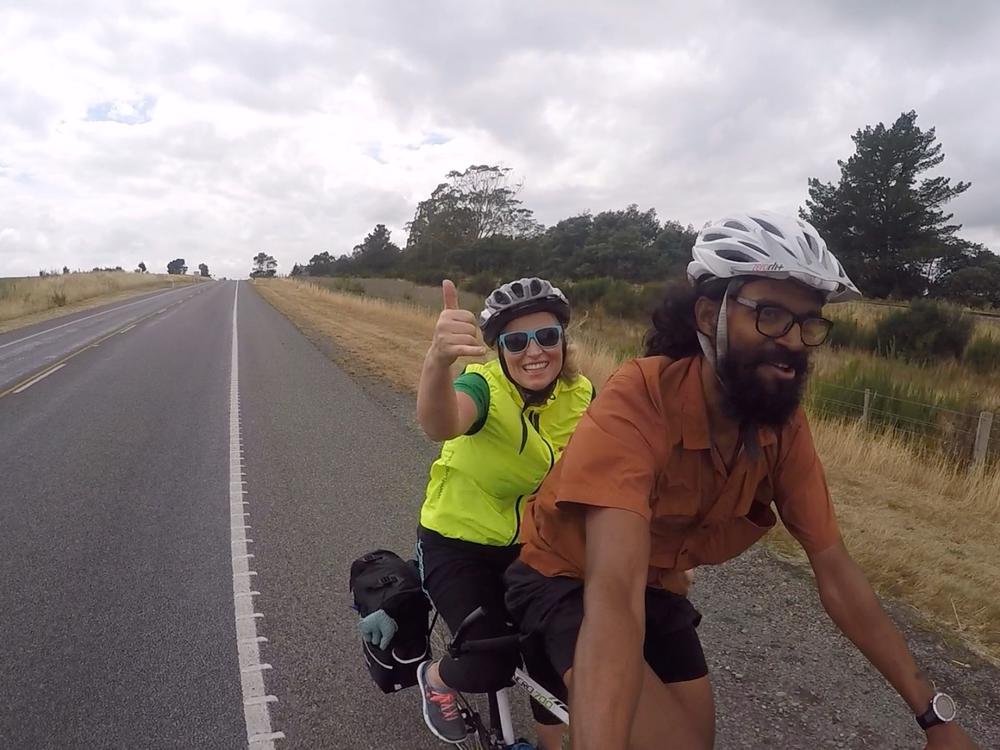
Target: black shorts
[[552, 608], [460, 576]]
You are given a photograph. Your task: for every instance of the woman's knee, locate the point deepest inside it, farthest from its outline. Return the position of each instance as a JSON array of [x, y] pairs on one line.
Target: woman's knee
[[479, 673]]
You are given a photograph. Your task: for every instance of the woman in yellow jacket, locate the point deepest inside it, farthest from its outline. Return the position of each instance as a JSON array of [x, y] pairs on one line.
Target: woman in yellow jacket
[[503, 425]]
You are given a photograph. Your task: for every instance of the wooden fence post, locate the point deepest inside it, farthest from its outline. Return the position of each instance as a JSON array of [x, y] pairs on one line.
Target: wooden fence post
[[982, 438], [866, 414]]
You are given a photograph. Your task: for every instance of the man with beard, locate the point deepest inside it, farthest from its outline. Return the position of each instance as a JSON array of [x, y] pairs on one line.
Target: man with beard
[[678, 464]]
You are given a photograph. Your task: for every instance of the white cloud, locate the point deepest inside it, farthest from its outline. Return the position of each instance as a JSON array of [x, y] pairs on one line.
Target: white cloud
[[211, 131]]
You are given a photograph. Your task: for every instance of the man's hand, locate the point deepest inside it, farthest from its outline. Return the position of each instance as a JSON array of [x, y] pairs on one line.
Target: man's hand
[[456, 333], [949, 737]]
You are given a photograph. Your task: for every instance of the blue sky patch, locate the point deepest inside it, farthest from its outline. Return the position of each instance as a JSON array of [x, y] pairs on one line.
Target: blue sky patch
[[133, 112]]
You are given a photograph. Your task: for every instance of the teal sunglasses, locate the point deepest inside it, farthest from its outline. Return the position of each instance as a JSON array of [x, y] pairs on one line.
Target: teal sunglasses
[[547, 337]]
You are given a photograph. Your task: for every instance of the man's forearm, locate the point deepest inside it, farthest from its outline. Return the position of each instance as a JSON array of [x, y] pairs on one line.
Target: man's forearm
[[855, 609], [608, 662]]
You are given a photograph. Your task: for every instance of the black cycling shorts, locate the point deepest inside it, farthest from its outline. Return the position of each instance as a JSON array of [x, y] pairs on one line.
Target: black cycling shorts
[[460, 576], [552, 608]]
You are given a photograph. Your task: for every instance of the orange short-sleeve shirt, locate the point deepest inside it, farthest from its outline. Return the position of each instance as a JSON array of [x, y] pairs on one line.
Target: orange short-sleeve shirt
[[644, 446]]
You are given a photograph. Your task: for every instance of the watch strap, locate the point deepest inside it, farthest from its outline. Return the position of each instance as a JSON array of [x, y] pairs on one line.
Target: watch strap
[[929, 718]]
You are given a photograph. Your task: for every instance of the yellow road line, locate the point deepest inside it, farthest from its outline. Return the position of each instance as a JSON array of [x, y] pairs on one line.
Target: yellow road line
[[37, 378]]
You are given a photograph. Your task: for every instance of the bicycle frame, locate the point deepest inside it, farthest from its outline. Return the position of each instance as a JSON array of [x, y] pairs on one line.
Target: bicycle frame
[[542, 696]]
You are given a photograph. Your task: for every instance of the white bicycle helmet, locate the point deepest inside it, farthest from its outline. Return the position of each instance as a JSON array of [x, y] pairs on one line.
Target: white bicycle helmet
[[770, 245], [516, 298]]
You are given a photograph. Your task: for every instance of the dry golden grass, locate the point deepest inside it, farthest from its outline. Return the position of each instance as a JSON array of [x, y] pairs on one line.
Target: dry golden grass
[[30, 300], [865, 313], [398, 290], [389, 339], [952, 381], [923, 530]]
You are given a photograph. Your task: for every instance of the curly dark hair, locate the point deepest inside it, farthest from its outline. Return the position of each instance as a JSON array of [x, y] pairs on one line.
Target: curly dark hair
[[674, 333]]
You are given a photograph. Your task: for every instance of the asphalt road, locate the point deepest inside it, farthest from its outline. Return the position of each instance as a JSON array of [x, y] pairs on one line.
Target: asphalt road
[[117, 622], [33, 349]]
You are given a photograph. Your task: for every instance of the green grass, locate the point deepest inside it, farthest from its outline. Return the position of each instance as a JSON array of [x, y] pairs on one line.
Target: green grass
[[927, 416], [983, 356]]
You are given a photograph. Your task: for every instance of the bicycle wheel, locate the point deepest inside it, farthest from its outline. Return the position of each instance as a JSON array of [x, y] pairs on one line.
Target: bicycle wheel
[[440, 637], [479, 734]]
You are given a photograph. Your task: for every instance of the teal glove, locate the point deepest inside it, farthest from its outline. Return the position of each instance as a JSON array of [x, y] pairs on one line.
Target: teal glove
[[378, 629]]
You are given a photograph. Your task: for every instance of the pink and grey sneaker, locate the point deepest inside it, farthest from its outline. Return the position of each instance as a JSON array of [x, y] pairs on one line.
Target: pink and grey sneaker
[[441, 710]]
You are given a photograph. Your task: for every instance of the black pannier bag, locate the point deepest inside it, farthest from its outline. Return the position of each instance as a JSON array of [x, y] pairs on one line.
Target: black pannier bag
[[383, 580]]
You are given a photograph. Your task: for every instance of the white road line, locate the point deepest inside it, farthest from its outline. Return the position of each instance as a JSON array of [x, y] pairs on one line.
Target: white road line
[[262, 699], [80, 320], [128, 328], [255, 698], [34, 380], [265, 740]]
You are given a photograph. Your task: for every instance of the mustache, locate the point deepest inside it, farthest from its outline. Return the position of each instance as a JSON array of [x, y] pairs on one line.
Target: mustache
[[799, 361]]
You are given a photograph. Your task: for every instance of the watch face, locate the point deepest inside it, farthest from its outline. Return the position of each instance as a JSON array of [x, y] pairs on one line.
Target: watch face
[[944, 707]]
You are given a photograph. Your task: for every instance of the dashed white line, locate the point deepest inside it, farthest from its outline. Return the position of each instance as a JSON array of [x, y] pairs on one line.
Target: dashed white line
[[255, 698], [34, 380], [262, 699], [265, 740]]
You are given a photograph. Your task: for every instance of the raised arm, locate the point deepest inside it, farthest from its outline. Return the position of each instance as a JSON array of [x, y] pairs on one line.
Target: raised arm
[[443, 412], [609, 655]]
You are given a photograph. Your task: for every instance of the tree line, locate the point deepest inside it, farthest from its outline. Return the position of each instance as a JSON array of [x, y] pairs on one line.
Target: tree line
[[178, 266], [884, 218]]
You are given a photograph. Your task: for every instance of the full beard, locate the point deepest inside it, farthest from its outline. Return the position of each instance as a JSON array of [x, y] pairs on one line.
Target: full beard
[[747, 397]]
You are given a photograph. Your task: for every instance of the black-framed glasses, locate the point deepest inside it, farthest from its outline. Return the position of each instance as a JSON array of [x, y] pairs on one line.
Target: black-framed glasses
[[775, 321], [547, 337]]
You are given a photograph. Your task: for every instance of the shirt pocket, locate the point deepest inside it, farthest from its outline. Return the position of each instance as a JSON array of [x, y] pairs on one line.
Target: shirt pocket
[[760, 494], [724, 541], [675, 512]]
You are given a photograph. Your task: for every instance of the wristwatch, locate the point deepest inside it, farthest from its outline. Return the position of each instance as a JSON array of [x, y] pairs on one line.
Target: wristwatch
[[940, 711]]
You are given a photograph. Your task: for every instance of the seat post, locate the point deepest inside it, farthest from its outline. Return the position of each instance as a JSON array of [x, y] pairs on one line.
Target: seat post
[[500, 707]]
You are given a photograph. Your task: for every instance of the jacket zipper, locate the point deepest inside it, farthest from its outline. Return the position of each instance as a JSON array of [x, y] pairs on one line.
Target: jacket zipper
[[535, 420]]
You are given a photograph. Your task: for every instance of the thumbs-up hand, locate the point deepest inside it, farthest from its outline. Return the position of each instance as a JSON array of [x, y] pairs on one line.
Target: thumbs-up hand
[[456, 333]]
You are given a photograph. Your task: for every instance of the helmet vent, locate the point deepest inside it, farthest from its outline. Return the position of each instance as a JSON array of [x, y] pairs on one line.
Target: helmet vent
[[806, 249], [734, 255], [501, 298], [755, 248], [768, 226], [536, 287], [735, 225], [517, 288], [714, 236]]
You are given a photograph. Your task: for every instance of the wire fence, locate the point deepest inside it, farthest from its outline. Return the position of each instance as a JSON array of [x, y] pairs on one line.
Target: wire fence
[[965, 436]]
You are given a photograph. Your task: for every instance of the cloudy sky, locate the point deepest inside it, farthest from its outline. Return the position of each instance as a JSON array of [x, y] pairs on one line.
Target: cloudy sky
[[212, 130]]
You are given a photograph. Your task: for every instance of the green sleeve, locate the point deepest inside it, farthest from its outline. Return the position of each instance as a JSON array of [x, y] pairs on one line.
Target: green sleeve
[[474, 386]]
